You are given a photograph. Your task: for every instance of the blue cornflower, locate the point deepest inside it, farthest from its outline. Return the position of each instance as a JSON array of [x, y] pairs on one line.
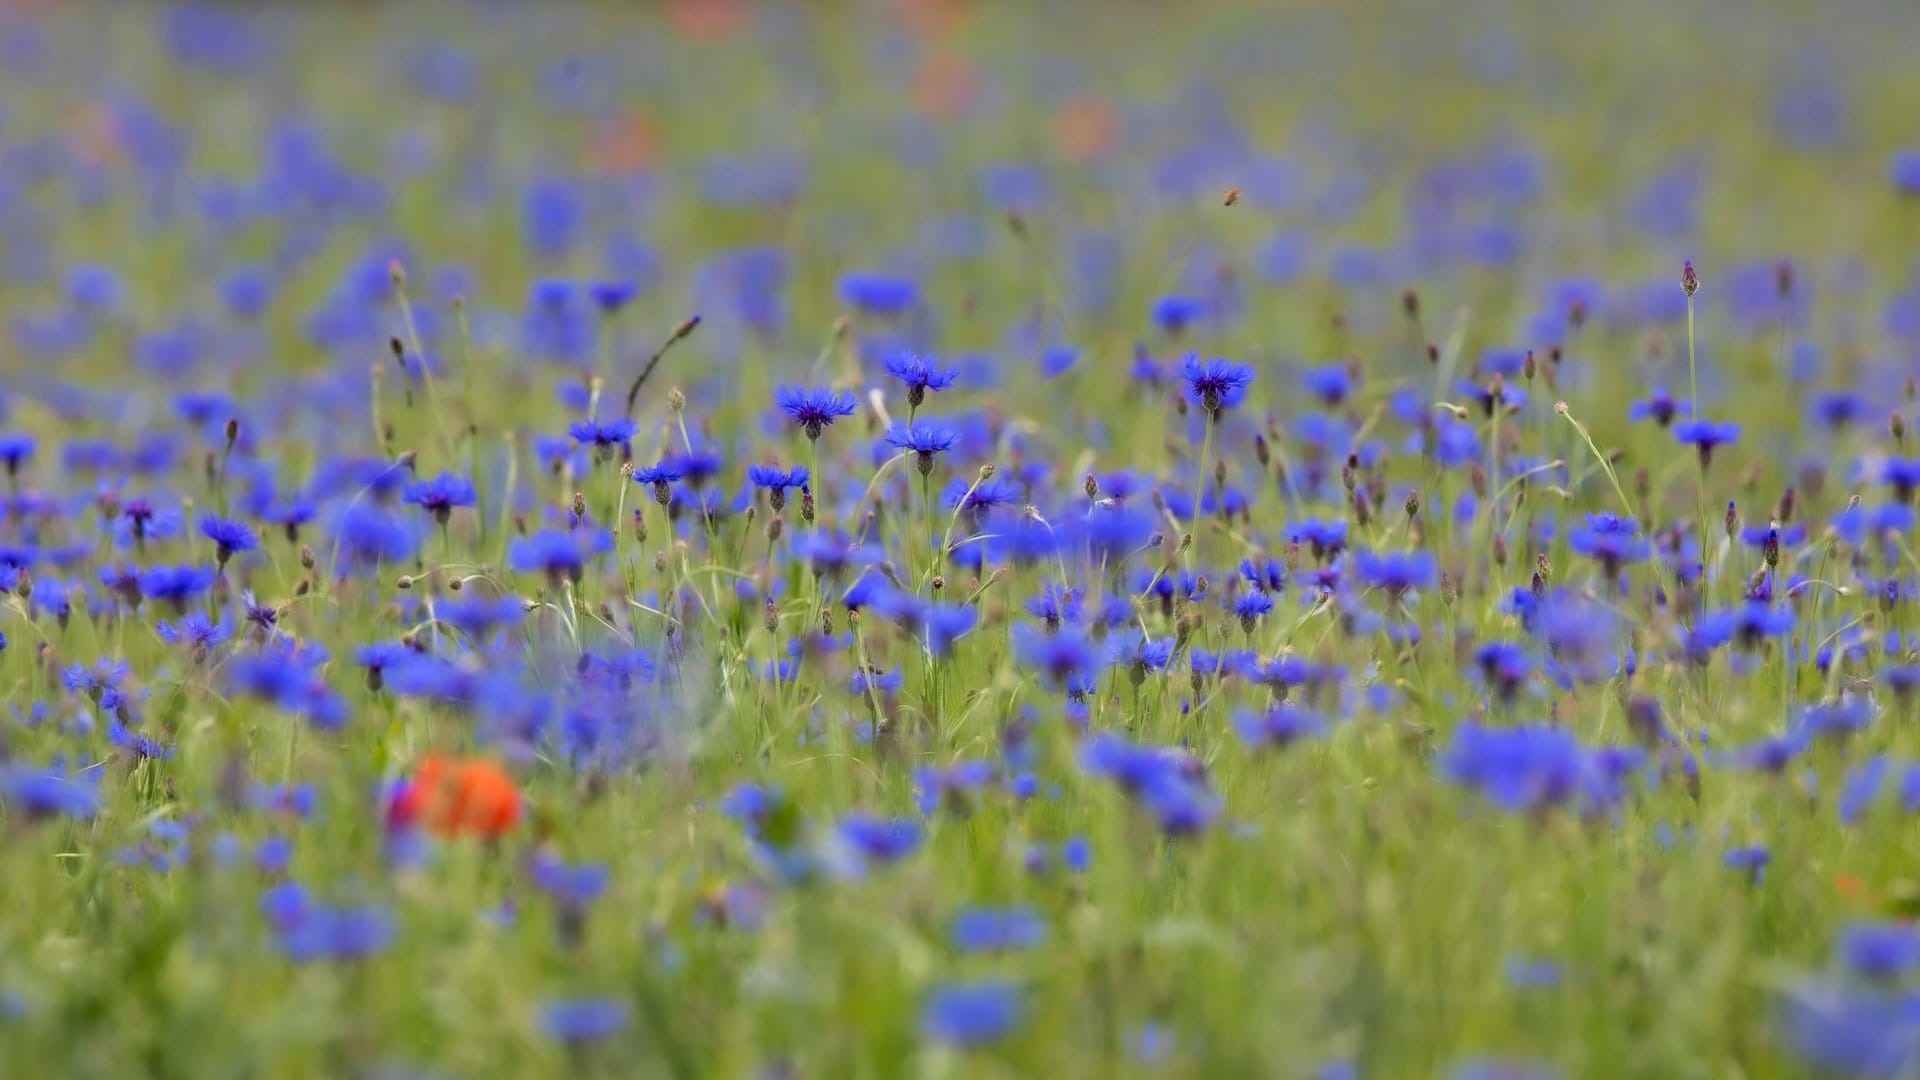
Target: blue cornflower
[[1215, 384], [1395, 572], [1535, 767], [1705, 435], [1904, 171], [1324, 539], [998, 929], [1902, 475], [1504, 666], [573, 888], [1056, 605], [814, 410], [605, 436], [1611, 541], [380, 656], [196, 631], [776, 481], [176, 585], [1751, 861], [330, 933], [1279, 727], [583, 1020], [1859, 523], [661, 478], [1065, 660], [440, 495], [1168, 783], [16, 449], [1139, 654], [558, 553], [1659, 407], [924, 441], [971, 1014], [1174, 313], [1880, 950], [611, 296], [1251, 607], [1331, 383], [229, 537], [1847, 1030], [38, 793], [878, 294], [1264, 574], [1747, 625], [920, 374], [978, 498], [698, 464], [880, 840]]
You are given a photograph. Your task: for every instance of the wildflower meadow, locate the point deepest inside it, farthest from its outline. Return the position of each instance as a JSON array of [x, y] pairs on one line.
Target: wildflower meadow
[[918, 538]]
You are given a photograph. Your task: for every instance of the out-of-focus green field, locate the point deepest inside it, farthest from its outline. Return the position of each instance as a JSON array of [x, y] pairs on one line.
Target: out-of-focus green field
[[1476, 718]]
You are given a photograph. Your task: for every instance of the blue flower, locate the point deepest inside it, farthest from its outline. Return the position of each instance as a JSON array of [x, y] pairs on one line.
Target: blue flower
[[1134, 650], [1904, 171], [604, 436], [229, 537], [814, 410], [440, 495], [1215, 385], [1504, 667], [971, 1014], [1251, 607], [329, 933], [37, 793], [611, 296], [1902, 475], [1751, 861], [920, 374], [558, 554], [1705, 435], [16, 449], [998, 929], [1529, 768], [774, 480], [1278, 727], [1880, 950], [195, 630], [878, 294], [583, 1020], [1846, 1030], [880, 840], [924, 441], [1659, 407], [1065, 660], [1331, 383], [1395, 572], [1174, 313]]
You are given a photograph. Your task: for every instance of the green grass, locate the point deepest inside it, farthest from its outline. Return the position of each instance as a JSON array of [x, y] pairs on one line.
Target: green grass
[[1348, 904]]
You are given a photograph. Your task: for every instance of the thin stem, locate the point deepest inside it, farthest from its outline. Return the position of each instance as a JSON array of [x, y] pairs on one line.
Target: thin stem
[[1200, 487], [1699, 462]]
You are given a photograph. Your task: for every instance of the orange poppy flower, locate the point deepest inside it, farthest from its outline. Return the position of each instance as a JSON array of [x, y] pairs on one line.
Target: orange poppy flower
[[451, 796]]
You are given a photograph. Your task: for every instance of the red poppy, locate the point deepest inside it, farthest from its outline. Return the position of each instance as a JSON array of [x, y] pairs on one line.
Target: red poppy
[[457, 796]]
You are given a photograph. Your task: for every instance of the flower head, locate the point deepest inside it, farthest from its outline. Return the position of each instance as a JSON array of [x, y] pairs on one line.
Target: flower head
[[920, 374], [1215, 385], [814, 410]]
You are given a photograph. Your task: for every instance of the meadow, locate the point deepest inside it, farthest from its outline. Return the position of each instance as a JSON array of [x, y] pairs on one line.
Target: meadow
[[954, 539]]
